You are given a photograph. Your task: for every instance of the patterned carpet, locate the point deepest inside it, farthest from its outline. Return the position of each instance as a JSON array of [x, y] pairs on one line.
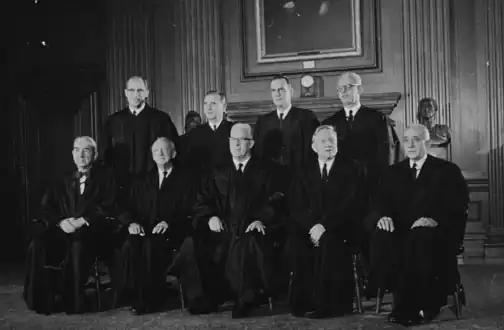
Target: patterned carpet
[[484, 286]]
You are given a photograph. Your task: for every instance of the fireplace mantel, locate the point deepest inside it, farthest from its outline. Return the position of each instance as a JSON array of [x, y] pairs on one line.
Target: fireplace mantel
[[323, 107]]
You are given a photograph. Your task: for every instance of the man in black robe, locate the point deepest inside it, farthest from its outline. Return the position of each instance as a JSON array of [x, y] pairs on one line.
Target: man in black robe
[[157, 222], [323, 201], [129, 134], [362, 132], [283, 136], [283, 142], [417, 223], [208, 144], [72, 229], [229, 256]]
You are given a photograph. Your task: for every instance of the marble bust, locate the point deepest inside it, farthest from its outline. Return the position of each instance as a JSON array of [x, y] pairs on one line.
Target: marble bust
[[440, 135]]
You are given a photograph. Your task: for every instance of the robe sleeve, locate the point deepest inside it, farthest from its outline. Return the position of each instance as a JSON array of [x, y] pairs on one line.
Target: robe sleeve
[[170, 131], [310, 125], [265, 213], [128, 211], [450, 211], [105, 208], [302, 213], [49, 213], [345, 210], [381, 203], [206, 203]]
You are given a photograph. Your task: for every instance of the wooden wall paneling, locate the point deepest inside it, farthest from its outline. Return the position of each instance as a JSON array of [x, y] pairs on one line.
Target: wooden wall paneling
[[199, 41], [130, 48], [494, 21], [427, 56]]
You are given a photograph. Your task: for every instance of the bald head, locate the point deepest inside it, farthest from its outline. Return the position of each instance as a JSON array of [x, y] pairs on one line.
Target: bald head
[[241, 141], [416, 141], [349, 89]]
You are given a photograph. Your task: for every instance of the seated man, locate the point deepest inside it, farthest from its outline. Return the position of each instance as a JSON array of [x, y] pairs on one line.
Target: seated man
[[229, 256], [414, 221], [71, 230], [323, 201], [157, 222]]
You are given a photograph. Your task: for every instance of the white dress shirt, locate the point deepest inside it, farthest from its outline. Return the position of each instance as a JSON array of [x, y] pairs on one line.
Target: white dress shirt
[[215, 127], [284, 113], [419, 163], [329, 165], [237, 164], [354, 110], [82, 183], [162, 176], [137, 111]]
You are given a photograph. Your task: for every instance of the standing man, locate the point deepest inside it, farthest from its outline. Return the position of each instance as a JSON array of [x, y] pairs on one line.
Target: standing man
[[323, 200], [157, 222], [129, 133], [417, 224], [208, 143], [362, 131], [72, 229], [283, 136]]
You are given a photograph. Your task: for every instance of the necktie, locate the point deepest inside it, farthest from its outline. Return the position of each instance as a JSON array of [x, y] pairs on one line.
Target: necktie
[[350, 119], [414, 171], [281, 116], [214, 127], [165, 173], [240, 169], [324, 172], [82, 182]]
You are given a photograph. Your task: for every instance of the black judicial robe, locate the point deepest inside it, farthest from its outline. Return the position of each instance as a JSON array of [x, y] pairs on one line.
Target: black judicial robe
[[146, 258], [50, 245], [125, 144], [205, 147], [231, 260], [409, 260], [334, 203], [287, 142], [367, 141]]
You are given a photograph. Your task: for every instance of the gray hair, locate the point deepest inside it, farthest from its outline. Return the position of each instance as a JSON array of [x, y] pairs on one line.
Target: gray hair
[[91, 142], [169, 142], [145, 82], [422, 129], [247, 128], [324, 127], [352, 76]]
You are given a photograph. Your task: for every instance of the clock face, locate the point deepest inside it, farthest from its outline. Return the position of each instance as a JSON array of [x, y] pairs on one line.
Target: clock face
[[307, 81]]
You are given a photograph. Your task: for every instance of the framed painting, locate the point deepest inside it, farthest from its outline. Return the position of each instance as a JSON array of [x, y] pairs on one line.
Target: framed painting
[[301, 30], [300, 36]]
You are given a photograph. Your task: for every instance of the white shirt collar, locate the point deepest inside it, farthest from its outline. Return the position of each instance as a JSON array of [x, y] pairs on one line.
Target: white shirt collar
[[419, 163], [216, 125], [285, 112], [138, 110], [329, 165], [354, 109], [236, 163], [161, 174]]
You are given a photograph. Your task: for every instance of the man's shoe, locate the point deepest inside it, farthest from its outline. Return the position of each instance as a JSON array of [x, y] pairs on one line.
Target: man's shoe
[[427, 316], [139, 310]]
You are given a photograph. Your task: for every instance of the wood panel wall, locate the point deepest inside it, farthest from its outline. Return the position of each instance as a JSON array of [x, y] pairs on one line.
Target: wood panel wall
[[449, 50]]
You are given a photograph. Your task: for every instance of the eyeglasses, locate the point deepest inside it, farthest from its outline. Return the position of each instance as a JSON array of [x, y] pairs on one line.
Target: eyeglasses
[[131, 90], [233, 139], [344, 88]]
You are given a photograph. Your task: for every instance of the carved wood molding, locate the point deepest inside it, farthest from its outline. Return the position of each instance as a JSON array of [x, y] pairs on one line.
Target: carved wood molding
[[427, 56], [323, 107], [494, 21]]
